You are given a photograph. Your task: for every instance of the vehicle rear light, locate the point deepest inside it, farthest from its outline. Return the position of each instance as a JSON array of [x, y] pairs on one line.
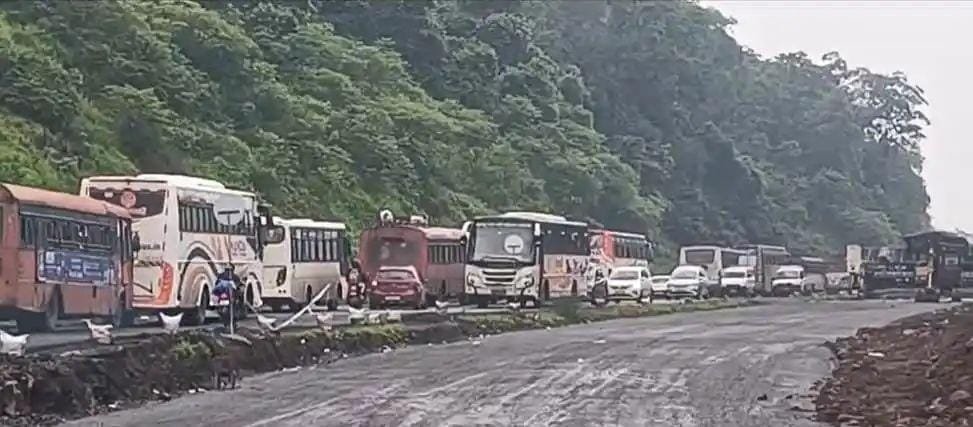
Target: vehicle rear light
[[167, 275]]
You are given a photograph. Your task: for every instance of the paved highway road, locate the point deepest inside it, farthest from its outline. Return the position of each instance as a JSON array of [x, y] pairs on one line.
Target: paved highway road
[[745, 367]]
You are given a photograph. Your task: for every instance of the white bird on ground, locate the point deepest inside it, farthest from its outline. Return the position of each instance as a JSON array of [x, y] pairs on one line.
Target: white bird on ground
[[442, 306], [101, 334], [356, 315], [13, 344], [266, 323], [513, 306], [324, 320], [393, 316], [375, 318], [170, 324]]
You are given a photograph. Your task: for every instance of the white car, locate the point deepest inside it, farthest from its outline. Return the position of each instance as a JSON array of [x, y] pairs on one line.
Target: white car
[[738, 281], [788, 280], [688, 281], [660, 286], [629, 283]]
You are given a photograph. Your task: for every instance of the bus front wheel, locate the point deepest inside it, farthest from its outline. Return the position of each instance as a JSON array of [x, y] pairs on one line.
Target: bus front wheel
[[197, 315], [45, 321], [482, 302], [122, 317]]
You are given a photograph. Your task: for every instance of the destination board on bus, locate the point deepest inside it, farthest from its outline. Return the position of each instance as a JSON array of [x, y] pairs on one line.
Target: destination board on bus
[[68, 266]]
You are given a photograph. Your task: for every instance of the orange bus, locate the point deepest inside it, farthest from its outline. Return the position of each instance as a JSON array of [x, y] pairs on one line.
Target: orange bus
[[437, 254], [62, 256]]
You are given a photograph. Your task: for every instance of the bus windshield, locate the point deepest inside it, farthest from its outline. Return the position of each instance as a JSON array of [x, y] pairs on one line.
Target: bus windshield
[[140, 203], [700, 256], [625, 274], [503, 242], [393, 251], [395, 274], [787, 274]]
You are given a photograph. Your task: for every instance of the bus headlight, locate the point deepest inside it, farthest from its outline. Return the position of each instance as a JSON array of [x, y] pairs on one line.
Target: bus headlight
[[281, 276], [472, 280], [526, 282]]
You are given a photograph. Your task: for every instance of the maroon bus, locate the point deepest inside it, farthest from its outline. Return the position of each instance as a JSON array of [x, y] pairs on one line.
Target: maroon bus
[[436, 253], [61, 256]]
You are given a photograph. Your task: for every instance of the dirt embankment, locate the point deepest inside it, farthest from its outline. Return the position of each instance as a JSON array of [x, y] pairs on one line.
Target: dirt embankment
[[46, 389], [915, 372]]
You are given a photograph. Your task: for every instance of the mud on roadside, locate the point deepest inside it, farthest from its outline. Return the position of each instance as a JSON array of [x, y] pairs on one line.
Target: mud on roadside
[[917, 371], [47, 389]]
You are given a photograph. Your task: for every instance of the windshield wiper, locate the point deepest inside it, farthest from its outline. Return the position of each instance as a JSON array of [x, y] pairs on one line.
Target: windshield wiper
[[500, 257]]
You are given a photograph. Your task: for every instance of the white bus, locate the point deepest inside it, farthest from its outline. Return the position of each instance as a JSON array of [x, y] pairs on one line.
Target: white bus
[[188, 230], [301, 257], [525, 256], [712, 258], [765, 259]]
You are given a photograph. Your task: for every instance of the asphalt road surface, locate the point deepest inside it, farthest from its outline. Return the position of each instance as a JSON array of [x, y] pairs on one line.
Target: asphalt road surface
[[744, 367]]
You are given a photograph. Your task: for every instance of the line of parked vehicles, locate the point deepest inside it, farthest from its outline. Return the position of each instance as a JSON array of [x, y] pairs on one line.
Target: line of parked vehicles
[[926, 267], [131, 245]]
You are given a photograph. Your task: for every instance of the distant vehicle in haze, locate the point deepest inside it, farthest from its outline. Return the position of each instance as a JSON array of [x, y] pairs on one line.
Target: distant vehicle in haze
[[713, 259], [660, 286], [738, 280], [688, 281]]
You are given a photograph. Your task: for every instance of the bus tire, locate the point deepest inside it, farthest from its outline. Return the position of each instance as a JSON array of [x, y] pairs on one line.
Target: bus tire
[[197, 315], [48, 319], [45, 321], [122, 317], [331, 304]]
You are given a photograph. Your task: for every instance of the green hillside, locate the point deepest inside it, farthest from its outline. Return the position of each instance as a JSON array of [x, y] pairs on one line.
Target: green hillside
[[640, 116]]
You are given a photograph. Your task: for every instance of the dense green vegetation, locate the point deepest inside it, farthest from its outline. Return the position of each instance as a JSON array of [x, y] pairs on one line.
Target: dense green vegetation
[[641, 116]]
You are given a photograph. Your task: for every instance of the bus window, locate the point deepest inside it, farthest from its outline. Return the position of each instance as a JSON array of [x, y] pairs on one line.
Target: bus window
[[700, 256]]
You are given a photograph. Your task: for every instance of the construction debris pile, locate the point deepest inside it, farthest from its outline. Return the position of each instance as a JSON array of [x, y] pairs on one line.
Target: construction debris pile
[[917, 371]]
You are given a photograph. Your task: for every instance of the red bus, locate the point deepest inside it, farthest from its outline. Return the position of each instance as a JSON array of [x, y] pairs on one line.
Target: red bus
[[437, 254], [62, 256]]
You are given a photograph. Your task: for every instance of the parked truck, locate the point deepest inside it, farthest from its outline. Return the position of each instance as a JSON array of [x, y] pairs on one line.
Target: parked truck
[[765, 260], [803, 275]]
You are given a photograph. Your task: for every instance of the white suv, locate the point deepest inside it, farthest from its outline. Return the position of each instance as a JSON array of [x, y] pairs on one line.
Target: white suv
[[688, 281]]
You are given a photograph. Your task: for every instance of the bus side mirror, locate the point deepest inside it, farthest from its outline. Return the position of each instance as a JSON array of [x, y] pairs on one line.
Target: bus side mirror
[[463, 240], [266, 218], [136, 244]]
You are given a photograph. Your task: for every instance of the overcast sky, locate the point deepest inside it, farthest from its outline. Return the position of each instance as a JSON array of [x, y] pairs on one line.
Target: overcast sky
[[931, 41]]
